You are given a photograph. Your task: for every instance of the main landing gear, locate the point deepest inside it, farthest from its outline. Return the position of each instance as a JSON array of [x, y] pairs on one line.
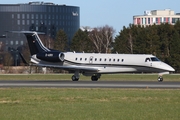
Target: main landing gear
[[74, 78], [94, 77]]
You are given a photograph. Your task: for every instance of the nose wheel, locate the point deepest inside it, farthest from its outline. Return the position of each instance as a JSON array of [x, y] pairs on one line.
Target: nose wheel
[[160, 79]]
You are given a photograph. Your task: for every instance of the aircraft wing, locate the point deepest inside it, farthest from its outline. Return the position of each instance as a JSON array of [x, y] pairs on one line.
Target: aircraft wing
[[80, 68], [69, 68]]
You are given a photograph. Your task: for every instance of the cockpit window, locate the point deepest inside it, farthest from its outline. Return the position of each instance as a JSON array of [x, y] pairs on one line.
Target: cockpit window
[[147, 59], [154, 59]]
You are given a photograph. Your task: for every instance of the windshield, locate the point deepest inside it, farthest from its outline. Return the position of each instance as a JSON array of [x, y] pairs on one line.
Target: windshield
[[154, 59]]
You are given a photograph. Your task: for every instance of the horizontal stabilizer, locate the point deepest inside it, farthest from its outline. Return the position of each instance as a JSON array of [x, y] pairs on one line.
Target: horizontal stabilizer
[[23, 32]]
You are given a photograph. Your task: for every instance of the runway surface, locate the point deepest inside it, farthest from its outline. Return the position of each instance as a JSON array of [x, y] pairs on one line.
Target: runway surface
[[90, 84]]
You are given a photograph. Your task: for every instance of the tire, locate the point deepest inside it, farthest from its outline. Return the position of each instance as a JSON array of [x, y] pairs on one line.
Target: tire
[[160, 79], [74, 78], [94, 78]]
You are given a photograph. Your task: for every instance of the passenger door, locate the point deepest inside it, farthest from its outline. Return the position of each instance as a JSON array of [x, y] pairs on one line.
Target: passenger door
[[91, 60], [148, 62]]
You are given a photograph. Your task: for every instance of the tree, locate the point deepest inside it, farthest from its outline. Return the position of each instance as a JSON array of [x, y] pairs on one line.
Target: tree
[[102, 38], [8, 60], [2, 46], [120, 44], [125, 41], [152, 40], [175, 51], [177, 26], [139, 42], [165, 32], [61, 41], [47, 41], [81, 42], [25, 53]]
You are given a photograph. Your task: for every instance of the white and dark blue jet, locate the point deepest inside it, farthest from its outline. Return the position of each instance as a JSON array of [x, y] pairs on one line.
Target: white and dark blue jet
[[93, 64]]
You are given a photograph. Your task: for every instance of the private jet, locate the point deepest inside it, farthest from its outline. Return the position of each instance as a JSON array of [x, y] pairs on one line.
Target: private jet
[[93, 64]]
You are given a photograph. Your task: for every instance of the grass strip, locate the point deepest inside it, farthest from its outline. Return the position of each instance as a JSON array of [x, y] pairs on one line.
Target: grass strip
[[89, 104]]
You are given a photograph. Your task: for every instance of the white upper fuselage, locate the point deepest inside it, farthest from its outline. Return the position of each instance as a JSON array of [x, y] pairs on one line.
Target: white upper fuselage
[[108, 63]]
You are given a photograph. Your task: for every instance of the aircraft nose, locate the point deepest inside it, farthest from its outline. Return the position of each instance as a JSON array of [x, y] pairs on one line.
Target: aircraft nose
[[169, 68]]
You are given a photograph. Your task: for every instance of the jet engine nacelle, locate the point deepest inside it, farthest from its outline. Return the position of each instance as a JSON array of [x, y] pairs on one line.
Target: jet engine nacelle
[[51, 56]]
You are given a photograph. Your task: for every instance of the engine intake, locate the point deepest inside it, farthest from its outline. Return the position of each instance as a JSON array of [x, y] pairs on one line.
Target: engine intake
[[51, 56]]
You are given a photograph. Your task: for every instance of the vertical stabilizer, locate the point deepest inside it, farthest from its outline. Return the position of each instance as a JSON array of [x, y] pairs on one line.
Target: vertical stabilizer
[[34, 42], [37, 48]]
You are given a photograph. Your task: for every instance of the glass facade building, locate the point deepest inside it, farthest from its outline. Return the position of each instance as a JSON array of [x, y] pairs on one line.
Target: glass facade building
[[37, 16]]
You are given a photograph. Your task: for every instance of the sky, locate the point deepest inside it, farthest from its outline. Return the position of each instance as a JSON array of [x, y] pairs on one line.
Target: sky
[[114, 13]]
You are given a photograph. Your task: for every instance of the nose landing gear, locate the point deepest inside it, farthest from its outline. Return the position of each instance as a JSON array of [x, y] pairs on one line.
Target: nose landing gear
[[160, 79]]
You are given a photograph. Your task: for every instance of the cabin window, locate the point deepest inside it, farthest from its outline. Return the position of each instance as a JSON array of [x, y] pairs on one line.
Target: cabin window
[[109, 59], [114, 60], [100, 59], [105, 59], [85, 59], [76, 59], [95, 59], [118, 60], [122, 60], [147, 59], [80, 59]]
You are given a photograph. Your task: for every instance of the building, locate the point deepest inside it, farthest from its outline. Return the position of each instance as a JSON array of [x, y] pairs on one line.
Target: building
[[36, 16], [156, 17]]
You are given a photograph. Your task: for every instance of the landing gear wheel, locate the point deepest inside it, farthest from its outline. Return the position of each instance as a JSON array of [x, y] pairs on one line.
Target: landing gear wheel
[[74, 78], [160, 79], [94, 78]]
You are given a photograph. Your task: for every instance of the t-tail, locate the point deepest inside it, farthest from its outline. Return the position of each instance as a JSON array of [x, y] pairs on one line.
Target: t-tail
[[37, 48], [35, 44]]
